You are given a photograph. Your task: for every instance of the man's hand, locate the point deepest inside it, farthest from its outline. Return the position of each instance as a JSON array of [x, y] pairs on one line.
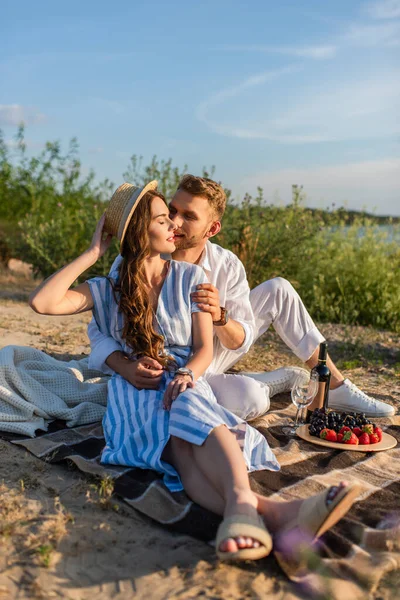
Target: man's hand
[[144, 373], [175, 387], [207, 297]]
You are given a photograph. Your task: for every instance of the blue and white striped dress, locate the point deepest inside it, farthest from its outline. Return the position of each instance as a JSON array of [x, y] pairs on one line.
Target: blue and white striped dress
[[136, 427]]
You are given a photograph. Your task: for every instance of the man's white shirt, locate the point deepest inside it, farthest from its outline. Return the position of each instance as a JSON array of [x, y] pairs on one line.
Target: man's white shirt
[[223, 270]]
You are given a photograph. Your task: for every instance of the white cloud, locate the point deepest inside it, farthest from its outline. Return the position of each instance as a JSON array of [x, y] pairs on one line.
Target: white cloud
[[349, 106], [385, 9], [355, 109], [368, 184], [356, 34], [314, 52], [254, 80], [15, 114], [383, 34]]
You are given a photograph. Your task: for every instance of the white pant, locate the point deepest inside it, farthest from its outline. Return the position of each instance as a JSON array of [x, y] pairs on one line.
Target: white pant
[[273, 302]]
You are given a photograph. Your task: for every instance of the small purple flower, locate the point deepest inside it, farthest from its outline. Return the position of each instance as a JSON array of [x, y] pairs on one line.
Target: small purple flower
[[294, 542]]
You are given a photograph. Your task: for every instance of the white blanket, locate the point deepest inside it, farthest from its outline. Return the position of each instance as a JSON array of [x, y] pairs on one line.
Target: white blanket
[[36, 389]]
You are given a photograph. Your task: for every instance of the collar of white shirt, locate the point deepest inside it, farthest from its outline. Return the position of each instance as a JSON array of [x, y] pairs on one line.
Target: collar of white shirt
[[204, 261]]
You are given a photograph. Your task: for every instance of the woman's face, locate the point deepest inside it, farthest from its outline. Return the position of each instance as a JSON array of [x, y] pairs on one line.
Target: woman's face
[[161, 228]]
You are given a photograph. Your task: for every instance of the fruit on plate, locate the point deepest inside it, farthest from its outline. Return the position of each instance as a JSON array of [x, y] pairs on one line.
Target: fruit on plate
[[363, 439], [350, 438], [368, 428], [329, 435], [344, 428], [330, 419]]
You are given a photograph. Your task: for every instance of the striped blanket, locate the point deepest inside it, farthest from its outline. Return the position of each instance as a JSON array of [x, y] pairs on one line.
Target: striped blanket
[[352, 557]]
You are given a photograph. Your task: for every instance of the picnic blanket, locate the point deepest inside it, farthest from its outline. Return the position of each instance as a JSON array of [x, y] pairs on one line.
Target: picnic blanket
[[352, 557], [36, 389]]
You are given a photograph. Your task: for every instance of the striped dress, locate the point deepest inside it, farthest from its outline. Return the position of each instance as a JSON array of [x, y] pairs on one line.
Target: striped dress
[[136, 427]]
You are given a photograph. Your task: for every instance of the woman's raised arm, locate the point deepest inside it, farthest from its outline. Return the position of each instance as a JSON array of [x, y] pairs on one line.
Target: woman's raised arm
[[53, 296]]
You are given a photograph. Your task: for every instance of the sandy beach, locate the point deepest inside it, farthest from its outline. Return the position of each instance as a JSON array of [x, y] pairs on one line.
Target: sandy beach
[[65, 536]]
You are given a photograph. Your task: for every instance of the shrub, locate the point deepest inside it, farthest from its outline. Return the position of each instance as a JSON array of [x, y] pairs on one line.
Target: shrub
[[270, 240], [352, 276], [47, 209], [344, 267]]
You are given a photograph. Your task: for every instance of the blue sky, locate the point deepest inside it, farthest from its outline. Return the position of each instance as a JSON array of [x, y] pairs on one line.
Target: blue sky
[[271, 93]]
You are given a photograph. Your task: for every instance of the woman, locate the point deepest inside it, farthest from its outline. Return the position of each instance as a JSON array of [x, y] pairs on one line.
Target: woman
[[178, 430]]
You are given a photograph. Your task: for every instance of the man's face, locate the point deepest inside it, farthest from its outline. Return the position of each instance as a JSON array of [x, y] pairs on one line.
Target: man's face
[[193, 217]]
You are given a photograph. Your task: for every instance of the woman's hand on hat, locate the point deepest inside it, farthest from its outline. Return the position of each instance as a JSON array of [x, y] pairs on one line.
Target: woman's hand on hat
[[100, 244]]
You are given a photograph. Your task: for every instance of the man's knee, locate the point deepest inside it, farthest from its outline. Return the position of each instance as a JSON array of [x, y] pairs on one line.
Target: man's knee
[[278, 285], [244, 396], [257, 401]]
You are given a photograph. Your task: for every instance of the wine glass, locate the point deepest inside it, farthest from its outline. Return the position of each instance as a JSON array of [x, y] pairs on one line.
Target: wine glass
[[303, 393]]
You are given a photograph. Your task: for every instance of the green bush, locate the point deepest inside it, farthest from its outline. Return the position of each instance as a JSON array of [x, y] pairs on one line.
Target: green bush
[[344, 268], [353, 277], [270, 240], [48, 210], [49, 245]]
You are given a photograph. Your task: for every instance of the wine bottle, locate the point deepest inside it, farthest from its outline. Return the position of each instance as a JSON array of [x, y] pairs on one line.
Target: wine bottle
[[323, 375]]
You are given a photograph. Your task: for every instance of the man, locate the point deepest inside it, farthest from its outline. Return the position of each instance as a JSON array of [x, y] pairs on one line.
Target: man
[[240, 316]]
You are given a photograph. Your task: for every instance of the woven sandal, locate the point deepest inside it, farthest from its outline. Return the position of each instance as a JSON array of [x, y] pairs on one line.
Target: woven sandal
[[244, 526], [315, 517]]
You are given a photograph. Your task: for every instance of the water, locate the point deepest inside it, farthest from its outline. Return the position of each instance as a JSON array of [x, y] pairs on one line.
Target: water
[[392, 232], [389, 233]]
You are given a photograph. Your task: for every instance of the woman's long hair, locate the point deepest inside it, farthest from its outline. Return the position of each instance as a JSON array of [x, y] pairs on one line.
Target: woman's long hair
[[133, 297]]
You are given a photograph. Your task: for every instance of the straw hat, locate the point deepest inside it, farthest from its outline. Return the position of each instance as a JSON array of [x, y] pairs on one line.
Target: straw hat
[[122, 206]]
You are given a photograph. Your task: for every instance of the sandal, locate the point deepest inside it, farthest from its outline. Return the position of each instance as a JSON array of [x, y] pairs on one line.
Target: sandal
[[244, 526], [315, 516]]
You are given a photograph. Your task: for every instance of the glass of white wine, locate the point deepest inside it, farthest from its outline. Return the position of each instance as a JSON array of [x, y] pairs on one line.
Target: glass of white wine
[[303, 393]]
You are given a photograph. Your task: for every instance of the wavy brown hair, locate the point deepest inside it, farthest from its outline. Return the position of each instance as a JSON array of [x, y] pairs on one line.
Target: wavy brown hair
[[206, 188], [133, 296]]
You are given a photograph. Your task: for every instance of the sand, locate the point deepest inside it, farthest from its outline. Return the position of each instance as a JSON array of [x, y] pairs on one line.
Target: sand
[[64, 536]]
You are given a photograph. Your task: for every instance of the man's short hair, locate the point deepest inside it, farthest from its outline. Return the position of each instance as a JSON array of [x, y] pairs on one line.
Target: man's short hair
[[206, 188]]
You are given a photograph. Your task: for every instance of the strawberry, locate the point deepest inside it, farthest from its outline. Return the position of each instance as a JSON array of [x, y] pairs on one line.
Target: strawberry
[[358, 431], [373, 438], [339, 438], [350, 438], [369, 428], [344, 429], [378, 432], [363, 439], [329, 435]]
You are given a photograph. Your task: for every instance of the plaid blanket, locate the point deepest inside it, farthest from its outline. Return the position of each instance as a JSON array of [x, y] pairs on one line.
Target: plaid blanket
[[352, 557]]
